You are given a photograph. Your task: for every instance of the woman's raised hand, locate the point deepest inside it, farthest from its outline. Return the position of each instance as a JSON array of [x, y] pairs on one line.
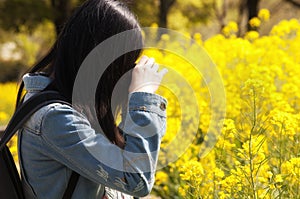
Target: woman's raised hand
[[145, 76]]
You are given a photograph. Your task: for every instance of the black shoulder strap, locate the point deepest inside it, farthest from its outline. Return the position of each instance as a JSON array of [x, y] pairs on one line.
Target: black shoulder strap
[[71, 185], [24, 112]]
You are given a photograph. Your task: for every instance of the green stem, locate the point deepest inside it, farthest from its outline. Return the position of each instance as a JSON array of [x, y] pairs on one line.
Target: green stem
[[250, 146], [280, 154]]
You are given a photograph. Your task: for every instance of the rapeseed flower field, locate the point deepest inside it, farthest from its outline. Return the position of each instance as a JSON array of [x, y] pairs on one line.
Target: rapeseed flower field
[[257, 154]]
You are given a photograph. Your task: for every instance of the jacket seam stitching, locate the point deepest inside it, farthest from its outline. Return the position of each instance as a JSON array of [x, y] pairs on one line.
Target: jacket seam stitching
[[53, 146]]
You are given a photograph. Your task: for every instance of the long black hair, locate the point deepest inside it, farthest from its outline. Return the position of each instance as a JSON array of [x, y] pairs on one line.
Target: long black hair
[[93, 22]]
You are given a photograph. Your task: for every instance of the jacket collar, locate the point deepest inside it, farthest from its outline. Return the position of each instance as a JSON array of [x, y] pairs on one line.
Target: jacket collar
[[34, 82]]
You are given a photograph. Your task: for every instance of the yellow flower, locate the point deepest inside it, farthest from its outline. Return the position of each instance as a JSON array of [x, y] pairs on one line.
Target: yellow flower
[[272, 186], [253, 88], [165, 37], [154, 25], [182, 191], [264, 14], [166, 188], [286, 122], [219, 173], [291, 169], [232, 25], [230, 29], [192, 170], [223, 195], [198, 38], [252, 35], [255, 22], [286, 29], [256, 141], [161, 177], [3, 117], [278, 178], [263, 180]]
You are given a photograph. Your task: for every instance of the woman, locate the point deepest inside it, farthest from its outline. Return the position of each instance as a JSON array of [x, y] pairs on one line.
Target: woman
[[58, 138]]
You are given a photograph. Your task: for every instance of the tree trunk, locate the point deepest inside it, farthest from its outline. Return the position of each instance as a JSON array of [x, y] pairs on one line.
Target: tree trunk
[[62, 9], [164, 8], [242, 8], [252, 7], [221, 13]]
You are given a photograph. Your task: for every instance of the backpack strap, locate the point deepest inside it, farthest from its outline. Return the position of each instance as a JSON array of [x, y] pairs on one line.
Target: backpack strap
[[23, 113], [71, 185], [25, 110]]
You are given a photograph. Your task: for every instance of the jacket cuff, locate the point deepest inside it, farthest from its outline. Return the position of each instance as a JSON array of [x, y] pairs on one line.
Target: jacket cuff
[[149, 102]]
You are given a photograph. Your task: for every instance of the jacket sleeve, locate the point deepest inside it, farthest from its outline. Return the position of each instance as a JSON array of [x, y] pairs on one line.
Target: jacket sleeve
[[75, 144]]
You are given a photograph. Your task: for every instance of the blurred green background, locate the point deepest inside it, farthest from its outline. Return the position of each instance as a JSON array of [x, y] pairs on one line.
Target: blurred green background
[[29, 27]]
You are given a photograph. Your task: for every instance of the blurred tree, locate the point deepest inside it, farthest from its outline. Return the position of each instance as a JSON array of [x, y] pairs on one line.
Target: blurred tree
[[17, 13], [62, 10], [153, 11], [30, 13], [252, 8], [164, 8], [220, 10], [241, 9], [197, 11], [175, 14], [185, 15], [146, 11], [249, 8]]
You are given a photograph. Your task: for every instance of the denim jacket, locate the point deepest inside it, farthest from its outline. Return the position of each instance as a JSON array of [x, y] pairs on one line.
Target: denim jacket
[[57, 139]]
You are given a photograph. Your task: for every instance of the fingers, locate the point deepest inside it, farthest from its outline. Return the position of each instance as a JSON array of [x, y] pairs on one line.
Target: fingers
[[163, 72], [142, 61], [146, 62], [145, 76], [155, 67], [150, 64]]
